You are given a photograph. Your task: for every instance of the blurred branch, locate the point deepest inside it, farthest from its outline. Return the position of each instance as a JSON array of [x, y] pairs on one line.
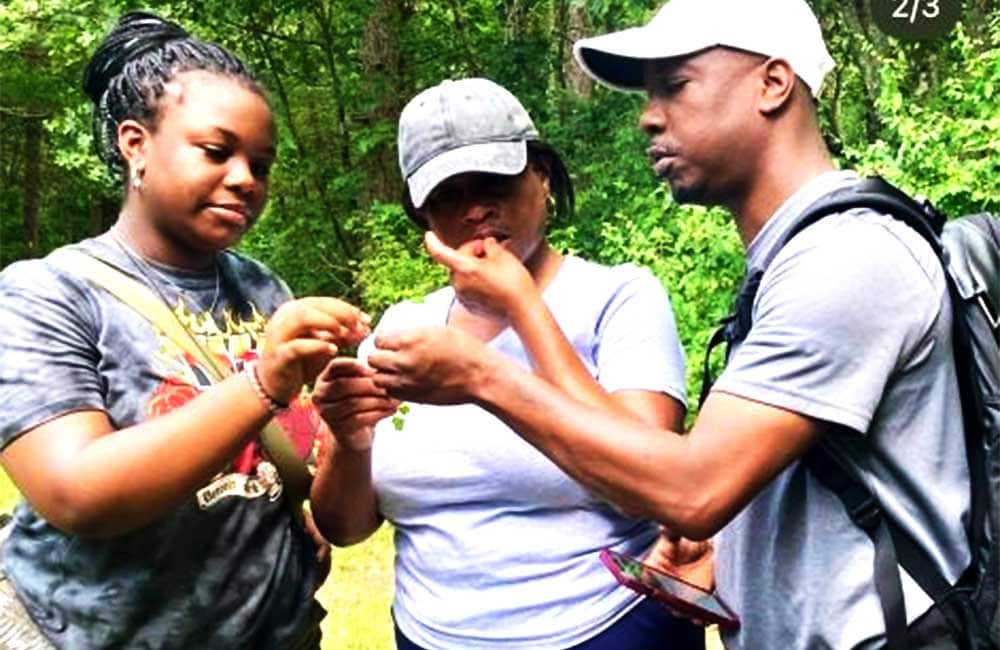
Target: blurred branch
[[259, 31], [26, 115]]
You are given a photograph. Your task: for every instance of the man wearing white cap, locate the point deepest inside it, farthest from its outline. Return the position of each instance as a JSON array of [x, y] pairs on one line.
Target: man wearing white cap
[[850, 347]]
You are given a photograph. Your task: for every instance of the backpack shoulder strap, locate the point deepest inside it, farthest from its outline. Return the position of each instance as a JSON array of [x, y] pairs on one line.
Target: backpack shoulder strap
[[894, 547], [866, 513], [878, 195], [139, 298], [291, 468]]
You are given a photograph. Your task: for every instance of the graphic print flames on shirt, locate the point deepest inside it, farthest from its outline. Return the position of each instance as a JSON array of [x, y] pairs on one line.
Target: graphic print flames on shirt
[[251, 474]]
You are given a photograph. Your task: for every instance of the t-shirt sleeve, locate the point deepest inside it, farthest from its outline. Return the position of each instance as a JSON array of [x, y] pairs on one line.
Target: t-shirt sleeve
[[838, 311], [48, 352], [251, 277], [637, 343]]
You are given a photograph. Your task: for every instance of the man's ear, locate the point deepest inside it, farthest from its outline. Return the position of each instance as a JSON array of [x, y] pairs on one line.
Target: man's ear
[[133, 141], [778, 82]]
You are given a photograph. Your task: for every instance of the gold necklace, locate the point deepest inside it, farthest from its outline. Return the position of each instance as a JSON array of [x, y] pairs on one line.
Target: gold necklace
[[147, 270]]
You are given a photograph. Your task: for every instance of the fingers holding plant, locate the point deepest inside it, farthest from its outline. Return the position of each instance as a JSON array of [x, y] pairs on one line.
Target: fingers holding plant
[[435, 365], [302, 337], [349, 401]]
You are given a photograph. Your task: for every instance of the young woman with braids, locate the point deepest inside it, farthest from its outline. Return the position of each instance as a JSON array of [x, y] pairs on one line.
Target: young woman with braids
[[152, 517], [496, 547]]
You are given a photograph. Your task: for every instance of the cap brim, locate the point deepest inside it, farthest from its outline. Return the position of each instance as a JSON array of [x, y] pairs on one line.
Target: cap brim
[[487, 157], [616, 59]]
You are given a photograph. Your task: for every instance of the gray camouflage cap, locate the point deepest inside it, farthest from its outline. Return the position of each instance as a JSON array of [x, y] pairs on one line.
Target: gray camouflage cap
[[468, 125]]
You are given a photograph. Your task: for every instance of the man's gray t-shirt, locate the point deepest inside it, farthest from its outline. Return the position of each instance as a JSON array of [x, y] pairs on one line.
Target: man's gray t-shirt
[[852, 326], [229, 568]]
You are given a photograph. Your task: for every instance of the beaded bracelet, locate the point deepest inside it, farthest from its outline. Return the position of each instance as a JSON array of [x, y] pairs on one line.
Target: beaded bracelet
[[273, 406]]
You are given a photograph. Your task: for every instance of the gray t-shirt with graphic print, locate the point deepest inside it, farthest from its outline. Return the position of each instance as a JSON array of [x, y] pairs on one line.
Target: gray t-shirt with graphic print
[[851, 325], [227, 569]]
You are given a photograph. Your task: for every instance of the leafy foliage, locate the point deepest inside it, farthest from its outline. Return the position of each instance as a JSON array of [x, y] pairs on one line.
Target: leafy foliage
[[339, 71]]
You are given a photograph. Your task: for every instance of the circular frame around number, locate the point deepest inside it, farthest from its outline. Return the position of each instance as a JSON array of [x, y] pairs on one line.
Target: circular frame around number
[[916, 20]]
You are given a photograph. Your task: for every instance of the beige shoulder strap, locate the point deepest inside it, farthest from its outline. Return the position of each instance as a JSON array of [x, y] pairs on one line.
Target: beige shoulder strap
[[134, 294]]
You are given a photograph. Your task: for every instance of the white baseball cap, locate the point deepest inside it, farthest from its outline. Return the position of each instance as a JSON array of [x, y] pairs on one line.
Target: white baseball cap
[[783, 29], [469, 125]]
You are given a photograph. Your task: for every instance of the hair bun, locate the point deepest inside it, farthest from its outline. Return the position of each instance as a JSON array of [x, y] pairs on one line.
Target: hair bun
[[136, 34]]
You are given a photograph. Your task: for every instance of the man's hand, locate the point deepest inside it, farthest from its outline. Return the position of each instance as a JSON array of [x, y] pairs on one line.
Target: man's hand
[[487, 278], [351, 403], [434, 365]]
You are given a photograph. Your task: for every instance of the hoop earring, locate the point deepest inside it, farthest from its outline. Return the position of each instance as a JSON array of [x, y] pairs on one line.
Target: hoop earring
[[550, 202]]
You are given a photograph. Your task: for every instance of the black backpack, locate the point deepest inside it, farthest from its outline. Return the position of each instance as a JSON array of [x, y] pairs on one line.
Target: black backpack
[[969, 251]]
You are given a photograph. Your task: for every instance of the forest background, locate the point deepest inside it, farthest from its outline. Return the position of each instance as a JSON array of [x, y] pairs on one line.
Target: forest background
[[923, 114]]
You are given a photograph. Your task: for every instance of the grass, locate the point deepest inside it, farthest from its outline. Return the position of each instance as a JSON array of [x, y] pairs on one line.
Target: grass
[[8, 493], [356, 596]]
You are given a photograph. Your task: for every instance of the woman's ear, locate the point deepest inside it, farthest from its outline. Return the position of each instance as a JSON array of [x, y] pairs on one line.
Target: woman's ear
[[133, 141], [546, 185], [542, 172]]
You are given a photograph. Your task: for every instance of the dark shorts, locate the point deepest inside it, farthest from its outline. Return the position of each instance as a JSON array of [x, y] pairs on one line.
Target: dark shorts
[[647, 626]]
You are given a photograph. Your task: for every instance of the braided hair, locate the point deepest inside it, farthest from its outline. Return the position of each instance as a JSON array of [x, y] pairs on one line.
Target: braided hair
[[128, 74]]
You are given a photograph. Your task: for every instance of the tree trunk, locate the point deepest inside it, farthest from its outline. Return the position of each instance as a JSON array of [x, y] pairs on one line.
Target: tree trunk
[[279, 86], [862, 46], [32, 183], [576, 28], [517, 20], [103, 213], [382, 63], [325, 16]]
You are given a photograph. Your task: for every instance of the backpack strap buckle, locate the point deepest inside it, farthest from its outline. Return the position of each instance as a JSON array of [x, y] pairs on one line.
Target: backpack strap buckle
[[732, 329], [867, 514], [934, 216], [992, 317]]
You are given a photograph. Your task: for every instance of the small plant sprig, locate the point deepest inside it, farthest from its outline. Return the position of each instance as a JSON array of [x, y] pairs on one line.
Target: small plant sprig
[[397, 419]]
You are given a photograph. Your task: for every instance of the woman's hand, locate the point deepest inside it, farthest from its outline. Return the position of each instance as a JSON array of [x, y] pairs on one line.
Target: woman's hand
[[691, 561], [301, 337], [342, 498], [351, 403], [323, 559], [487, 278], [684, 558]]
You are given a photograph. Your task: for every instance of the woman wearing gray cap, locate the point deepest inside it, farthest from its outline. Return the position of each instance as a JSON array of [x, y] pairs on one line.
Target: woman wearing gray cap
[[495, 546]]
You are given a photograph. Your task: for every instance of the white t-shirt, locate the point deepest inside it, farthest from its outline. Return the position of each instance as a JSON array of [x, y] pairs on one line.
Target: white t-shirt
[[495, 546]]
